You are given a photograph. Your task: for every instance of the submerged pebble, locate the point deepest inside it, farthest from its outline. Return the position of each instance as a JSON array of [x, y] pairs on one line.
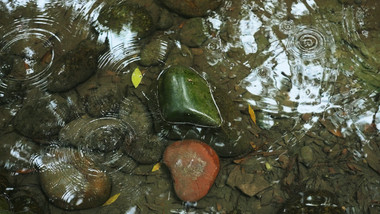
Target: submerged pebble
[[101, 134], [307, 155], [193, 32], [74, 67], [192, 8], [126, 15], [16, 152], [41, 119]]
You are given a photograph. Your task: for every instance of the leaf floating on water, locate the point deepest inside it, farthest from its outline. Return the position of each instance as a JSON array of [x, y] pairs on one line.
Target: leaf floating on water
[[156, 167], [111, 199], [136, 77], [252, 113]]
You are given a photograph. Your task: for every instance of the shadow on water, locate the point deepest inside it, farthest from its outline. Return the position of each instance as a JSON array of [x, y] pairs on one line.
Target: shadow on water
[[296, 84]]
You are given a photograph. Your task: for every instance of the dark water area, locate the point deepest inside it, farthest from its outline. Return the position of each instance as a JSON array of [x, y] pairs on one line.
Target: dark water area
[[285, 93]]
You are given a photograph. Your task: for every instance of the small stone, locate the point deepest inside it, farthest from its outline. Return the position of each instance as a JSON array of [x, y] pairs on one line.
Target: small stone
[[42, 119], [307, 155], [166, 20], [180, 56], [125, 14], [147, 147], [74, 67], [284, 161], [192, 8], [194, 166], [185, 98], [101, 95], [193, 33], [154, 52], [250, 184], [101, 134]]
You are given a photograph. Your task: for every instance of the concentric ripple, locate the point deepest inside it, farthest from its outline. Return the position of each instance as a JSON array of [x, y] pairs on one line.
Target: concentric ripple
[[123, 51], [307, 43], [287, 27], [28, 48], [105, 138], [71, 180]]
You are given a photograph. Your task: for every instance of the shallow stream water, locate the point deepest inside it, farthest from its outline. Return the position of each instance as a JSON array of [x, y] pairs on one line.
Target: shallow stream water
[[70, 107]]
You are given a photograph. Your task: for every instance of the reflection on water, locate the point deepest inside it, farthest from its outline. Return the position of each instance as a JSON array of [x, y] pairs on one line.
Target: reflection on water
[[72, 123]]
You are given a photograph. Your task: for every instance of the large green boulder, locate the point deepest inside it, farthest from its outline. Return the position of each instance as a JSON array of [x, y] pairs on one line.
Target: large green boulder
[[185, 97]]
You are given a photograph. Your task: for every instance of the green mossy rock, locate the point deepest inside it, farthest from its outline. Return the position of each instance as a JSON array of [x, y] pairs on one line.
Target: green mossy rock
[[185, 97]]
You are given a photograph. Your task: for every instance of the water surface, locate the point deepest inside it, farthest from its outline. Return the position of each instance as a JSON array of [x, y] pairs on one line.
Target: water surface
[[309, 69]]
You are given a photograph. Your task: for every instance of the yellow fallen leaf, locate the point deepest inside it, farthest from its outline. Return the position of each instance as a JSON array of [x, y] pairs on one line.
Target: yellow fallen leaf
[[156, 167], [111, 199], [251, 113], [268, 166], [136, 77]]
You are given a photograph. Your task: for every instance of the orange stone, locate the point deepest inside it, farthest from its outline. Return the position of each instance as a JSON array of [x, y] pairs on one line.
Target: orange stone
[[194, 166]]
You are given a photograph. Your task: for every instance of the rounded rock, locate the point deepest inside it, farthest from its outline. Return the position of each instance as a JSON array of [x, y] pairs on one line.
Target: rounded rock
[[192, 8], [185, 98], [193, 33], [307, 155], [72, 181], [194, 166]]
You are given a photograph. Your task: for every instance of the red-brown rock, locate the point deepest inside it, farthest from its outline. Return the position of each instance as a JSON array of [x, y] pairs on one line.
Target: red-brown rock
[[194, 166]]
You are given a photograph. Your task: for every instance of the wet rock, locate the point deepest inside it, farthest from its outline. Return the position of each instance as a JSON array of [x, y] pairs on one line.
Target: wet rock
[[41, 119], [72, 181], [284, 161], [229, 141], [166, 20], [3, 183], [102, 134], [180, 56], [6, 115], [185, 97], [146, 148], [16, 152], [147, 151], [154, 52], [7, 64], [5, 207], [372, 156], [193, 32], [101, 95], [194, 166], [26, 204], [250, 184], [129, 15], [9, 89], [192, 8], [307, 155], [74, 67], [117, 161]]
